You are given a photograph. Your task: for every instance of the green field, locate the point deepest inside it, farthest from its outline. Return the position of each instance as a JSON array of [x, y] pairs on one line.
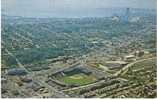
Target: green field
[[79, 79]]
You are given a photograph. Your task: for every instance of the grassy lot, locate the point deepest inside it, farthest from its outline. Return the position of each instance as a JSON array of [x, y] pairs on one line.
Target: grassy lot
[[79, 79]]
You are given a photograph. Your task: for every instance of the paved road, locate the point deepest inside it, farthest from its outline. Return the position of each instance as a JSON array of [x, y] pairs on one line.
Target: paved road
[[36, 79], [18, 62], [124, 69], [116, 74], [23, 37], [75, 88]]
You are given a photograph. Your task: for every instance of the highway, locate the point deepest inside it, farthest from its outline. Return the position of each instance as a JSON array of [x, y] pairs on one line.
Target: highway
[[124, 69]]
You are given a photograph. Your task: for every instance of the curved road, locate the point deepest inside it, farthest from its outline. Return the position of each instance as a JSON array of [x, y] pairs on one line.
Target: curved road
[[129, 65]]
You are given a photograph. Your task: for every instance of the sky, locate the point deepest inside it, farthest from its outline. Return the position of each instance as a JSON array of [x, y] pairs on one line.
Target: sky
[[68, 8]]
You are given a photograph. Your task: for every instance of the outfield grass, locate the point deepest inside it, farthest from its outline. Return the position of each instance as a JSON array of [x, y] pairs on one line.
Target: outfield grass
[[79, 79]]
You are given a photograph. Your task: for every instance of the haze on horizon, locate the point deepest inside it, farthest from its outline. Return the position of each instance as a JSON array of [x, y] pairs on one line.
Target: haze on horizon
[[69, 8]]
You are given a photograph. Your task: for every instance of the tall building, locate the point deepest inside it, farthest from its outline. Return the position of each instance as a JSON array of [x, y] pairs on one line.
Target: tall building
[[127, 15]]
